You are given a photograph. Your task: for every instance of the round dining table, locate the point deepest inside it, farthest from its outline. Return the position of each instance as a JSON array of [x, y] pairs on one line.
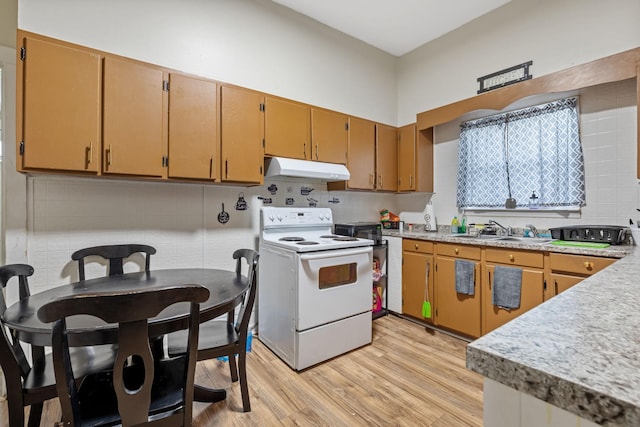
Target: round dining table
[[226, 289]]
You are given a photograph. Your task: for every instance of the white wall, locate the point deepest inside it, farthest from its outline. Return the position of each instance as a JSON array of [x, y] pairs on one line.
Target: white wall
[[252, 43], [554, 34]]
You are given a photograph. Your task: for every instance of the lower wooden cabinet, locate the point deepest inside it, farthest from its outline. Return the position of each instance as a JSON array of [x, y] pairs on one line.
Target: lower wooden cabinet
[[568, 270], [417, 277], [458, 312]]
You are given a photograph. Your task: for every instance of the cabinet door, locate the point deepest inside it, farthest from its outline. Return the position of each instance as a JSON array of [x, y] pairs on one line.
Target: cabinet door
[[407, 158], [531, 295], [193, 128], [134, 118], [287, 129], [361, 154], [242, 130], [329, 136], [386, 158], [417, 274], [562, 282], [458, 312], [59, 107]]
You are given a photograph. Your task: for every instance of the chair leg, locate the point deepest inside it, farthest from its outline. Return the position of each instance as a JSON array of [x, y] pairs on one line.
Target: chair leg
[[16, 410], [233, 368], [35, 414], [244, 388]]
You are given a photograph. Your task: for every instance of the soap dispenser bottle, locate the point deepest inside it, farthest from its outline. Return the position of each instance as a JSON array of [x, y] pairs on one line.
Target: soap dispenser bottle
[[533, 200], [454, 225]]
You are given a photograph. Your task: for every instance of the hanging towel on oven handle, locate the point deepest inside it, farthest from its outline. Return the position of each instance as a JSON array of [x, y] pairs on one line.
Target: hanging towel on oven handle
[[507, 287], [465, 277]]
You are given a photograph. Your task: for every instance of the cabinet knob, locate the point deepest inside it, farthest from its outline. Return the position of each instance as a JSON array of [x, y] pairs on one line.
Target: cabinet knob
[[417, 246], [456, 250], [588, 265], [511, 257]]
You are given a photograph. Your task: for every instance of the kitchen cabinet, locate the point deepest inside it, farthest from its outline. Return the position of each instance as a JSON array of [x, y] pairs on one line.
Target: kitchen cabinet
[[415, 159], [454, 311], [386, 158], [407, 158], [242, 133], [287, 129], [58, 106], [329, 134], [361, 159], [568, 269], [134, 118], [417, 277], [532, 288], [193, 128]]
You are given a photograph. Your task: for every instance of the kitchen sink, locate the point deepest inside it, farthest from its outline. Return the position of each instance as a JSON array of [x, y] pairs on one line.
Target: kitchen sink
[[528, 240]]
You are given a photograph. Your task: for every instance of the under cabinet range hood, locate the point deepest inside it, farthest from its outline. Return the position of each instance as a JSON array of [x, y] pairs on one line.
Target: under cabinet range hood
[[295, 168]]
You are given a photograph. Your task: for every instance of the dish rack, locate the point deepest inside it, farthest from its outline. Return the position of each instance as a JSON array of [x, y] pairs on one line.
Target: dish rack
[[612, 234]]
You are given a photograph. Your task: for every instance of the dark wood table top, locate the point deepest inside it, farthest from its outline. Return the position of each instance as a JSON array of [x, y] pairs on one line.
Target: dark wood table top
[[226, 289]]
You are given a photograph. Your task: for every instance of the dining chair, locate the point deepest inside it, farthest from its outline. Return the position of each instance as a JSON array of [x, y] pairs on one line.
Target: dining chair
[[115, 254], [141, 389], [31, 384], [227, 338]]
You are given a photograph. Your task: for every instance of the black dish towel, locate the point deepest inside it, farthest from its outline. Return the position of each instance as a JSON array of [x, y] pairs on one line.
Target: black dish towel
[[465, 277], [507, 285]]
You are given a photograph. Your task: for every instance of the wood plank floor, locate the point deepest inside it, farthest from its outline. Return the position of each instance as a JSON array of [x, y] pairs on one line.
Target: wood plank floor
[[407, 377]]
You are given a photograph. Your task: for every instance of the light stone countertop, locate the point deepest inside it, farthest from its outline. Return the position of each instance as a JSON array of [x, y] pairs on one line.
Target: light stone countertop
[[580, 350]]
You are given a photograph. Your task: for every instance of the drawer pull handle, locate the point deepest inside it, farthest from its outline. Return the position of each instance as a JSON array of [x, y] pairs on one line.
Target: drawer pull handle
[[456, 250], [417, 246], [588, 265], [511, 257]]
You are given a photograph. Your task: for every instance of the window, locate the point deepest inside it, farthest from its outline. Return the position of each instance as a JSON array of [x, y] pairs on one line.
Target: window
[[512, 155]]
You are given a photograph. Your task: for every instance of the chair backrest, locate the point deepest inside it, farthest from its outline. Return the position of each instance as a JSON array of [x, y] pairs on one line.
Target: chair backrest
[[115, 254], [246, 307], [11, 354], [131, 311]]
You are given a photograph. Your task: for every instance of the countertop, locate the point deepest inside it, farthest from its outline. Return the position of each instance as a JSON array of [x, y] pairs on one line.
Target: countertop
[[580, 350]]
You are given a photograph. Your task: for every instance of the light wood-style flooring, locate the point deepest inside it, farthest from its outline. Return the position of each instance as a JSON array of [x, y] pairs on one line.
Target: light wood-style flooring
[[408, 376]]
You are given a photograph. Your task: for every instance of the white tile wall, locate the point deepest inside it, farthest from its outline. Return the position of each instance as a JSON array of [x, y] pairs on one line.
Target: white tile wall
[[179, 220]]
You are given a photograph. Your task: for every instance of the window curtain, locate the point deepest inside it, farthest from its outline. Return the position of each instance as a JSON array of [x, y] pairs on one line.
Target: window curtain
[[514, 154]]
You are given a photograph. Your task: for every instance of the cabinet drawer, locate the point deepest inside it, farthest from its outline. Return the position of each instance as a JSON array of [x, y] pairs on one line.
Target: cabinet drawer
[[515, 257], [579, 264], [458, 251], [421, 246]]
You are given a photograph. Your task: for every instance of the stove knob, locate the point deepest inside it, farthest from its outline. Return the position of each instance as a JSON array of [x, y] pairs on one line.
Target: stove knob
[[280, 218], [271, 218]]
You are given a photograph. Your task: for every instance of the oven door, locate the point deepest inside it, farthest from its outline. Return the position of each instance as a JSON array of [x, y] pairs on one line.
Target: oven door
[[333, 285]]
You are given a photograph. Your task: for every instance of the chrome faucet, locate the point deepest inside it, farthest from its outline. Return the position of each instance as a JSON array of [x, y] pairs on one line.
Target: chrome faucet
[[507, 230], [533, 229]]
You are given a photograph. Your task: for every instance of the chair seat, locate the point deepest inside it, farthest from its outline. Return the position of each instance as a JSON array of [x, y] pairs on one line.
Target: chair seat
[[100, 405], [85, 360], [214, 335]]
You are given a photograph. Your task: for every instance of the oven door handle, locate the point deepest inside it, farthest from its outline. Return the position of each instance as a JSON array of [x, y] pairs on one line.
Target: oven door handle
[[334, 253]]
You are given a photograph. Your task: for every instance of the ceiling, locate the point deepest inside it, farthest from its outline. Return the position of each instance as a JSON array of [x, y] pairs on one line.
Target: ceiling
[[398, 26]]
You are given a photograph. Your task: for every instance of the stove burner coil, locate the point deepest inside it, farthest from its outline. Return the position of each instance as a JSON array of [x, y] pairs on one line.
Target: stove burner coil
[[345, 239], [307, 242], [291, 239]]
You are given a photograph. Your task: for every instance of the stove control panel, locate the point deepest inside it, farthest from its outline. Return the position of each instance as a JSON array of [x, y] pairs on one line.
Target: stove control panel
[[296, 216]]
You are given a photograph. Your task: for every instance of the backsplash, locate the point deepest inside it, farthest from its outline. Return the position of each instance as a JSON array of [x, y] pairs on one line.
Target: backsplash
[[179, 219]]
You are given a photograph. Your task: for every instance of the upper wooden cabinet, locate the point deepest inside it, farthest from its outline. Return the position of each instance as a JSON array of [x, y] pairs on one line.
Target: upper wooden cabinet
[[407, 158], [58, 107], [386, 158], [193, 128], [287, 130], [329, 136], [361, 160], [242, 128], [134, 137], [415, 159]]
